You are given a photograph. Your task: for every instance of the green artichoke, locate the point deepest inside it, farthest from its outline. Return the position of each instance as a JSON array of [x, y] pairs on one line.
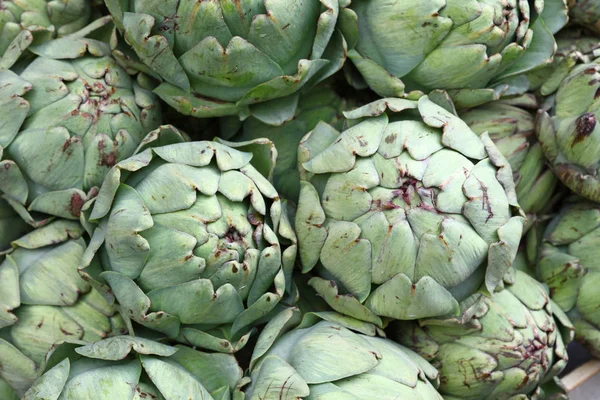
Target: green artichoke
[[568, 264], [334, 358], [320, 104], [405, 213], [229, 57], [457, 45], [195, 242], [506, 347], [570, 138], [585, 13], [22, 21], [71, 117], [511, 125], [44, 301], [134, 368]]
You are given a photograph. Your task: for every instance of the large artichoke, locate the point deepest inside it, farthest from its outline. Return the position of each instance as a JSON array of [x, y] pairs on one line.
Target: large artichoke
[[569, 264], [511, 125], [71, 117], [585, 13], [195, 240], [229, 57], [457, 45], [570, 138], [405, 213], [335, 358], [134, 368], [44, 300], [500, 348]]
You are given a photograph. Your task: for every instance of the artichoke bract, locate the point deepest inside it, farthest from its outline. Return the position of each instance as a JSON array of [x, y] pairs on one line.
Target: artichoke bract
[[195, 241], [320, 104], [334, 358], [405, 213], [23, 21], [570, 138], [230, 57], [585, 13], [456, 45], [130, 368], [45, 301], [72, 114], [512, 344], [511, 125], [12, 226], [568, 264]]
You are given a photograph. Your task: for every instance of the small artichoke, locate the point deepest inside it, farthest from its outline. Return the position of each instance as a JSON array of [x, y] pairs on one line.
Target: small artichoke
[[585, 13], [569, 264], [405, 213], [335, 358], [229, 57], [456, 45], [506, 347], [511, 125], [134, 368], [44, 301], [195, 242], [570, 138], [71, 117]]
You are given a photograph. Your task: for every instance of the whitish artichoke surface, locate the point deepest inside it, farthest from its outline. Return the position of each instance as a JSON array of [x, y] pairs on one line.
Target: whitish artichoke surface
[[405, 213], [506, 347]]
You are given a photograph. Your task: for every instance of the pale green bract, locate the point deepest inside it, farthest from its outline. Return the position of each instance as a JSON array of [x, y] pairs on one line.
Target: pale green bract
[[511, 346], [229, 57], [195, 241], [329, 356], [405, 213], [45, 301], [134, 368]]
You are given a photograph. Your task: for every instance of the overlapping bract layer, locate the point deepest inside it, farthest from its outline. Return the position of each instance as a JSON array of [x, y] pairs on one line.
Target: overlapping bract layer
[[585, 13], [189, 235], [71, 115], [509, 345], [330, 359], [131, 368], [455, 45], [44, 301], [220, 57], [405, 213], [569, 264]]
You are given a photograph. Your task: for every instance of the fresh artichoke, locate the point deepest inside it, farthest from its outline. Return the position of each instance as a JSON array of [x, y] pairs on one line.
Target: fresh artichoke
[[569, 264], [195, 242], [44, 301], [231, 57], [329, 359], [72, 114], [457, 45], [585, 13], [405, 213], [320, 104], [500, 348], [134, 368], [570, 138], [511, 125]]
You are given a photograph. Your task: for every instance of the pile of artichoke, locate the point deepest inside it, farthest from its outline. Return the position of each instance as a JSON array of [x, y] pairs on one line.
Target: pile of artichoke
[[297, 199]]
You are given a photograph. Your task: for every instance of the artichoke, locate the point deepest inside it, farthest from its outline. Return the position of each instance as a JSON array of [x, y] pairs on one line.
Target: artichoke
[[112, 369], [195, 242], [71, 117], [500, 348], [456, 45], [570, 138], [511, 125], [568, 264], [320, 104], [334, 358], [585, 13], [228, 57], [405, 213], [44, 301]]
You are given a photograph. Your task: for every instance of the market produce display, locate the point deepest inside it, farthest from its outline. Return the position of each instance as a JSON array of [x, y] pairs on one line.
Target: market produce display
[[297, 199]]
